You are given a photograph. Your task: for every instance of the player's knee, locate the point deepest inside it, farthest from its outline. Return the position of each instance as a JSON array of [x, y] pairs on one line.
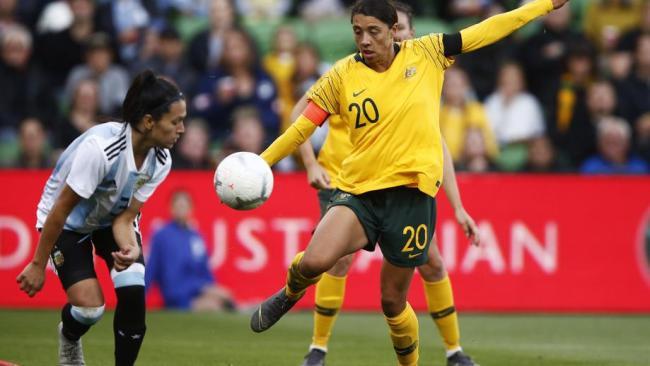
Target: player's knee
[[87, 315], [131, 276], [433, 270], [311, 266], [392, 305]]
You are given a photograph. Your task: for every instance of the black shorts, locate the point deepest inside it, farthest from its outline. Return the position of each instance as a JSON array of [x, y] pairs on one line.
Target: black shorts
[[401, 219], [324, 198], [72, 255]]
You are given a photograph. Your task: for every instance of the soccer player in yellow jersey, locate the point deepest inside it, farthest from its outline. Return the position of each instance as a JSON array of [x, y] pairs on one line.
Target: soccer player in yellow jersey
[[330, 289], [388, 94]]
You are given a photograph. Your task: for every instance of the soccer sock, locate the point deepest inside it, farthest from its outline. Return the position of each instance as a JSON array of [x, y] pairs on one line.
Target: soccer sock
[[297, 283], [404, 334], [440, 300], [330, 291], [129, 324], [72, 328]]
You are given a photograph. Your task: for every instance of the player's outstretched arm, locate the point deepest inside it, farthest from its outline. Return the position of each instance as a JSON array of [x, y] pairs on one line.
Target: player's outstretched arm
[[124, 233], [499, 26], [450, 185], [303, 127], [32, 278]]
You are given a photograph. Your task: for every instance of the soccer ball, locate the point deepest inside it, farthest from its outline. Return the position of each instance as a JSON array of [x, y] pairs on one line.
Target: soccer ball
[[243, 181]]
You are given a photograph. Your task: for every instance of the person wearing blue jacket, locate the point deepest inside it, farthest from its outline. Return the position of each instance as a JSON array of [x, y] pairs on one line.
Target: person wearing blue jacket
[[178, 264]]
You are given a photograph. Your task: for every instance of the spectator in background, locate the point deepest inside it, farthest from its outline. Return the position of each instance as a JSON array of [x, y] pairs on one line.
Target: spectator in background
[[126, 22], [247, 133], [178, 264], [307, 71], [280, 64], [483, 65], [206, 48], [614, 136], [193, 148], [264, 10], [8, 16], [316, 10], [580, 139], [460, 112], [543, 158], [622, 58], [570, 102], [452, 10], [58, 52], [32, 145], [82, 114], [198, 8], [634, 92], [628, 42], [238, 81], [168, 60], [23, 90], [515, 115], [113, 80], [607, 20], [544, 56], [475, 158], [643, 136]]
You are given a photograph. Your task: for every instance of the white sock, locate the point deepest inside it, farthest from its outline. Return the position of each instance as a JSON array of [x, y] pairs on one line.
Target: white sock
[[450, 352]]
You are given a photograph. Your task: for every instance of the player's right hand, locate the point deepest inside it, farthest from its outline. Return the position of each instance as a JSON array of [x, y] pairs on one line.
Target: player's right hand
[[317, 176], [31, 279]]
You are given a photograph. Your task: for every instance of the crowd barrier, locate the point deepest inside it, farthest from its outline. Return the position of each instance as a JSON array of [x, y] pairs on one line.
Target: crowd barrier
[[549, 243]]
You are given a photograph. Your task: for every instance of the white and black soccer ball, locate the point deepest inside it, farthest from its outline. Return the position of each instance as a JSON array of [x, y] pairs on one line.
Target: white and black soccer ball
[[243, 181]]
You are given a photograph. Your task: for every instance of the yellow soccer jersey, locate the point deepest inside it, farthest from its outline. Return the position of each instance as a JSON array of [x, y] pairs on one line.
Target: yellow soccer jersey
[[336, 148], [391, 117]]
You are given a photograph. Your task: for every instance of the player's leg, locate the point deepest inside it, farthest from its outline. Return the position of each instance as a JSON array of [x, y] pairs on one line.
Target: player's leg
[[328, 300], [440, 302], [72, 257], [129, 321], [330, 291], [339, 233], [408, 221], [401, 318]]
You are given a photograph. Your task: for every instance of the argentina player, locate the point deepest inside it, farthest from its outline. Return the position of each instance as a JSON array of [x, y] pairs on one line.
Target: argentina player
[[93, 198]]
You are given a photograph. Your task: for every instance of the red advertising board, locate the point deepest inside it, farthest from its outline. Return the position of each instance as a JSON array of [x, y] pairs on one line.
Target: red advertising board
[[549, 243]]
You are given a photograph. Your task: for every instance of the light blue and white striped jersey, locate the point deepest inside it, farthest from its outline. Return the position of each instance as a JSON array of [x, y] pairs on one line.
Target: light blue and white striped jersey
[[100, 167]]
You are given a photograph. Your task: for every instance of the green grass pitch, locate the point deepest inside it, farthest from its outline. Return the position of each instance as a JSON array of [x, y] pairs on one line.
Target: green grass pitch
[[360, 339]]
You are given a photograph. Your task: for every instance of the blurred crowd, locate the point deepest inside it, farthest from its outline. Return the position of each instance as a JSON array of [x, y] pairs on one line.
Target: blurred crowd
[[570, 93]]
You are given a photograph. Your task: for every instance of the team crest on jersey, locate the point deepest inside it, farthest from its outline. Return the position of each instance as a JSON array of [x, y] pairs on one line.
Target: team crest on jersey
[[142, 179], [410, 72]]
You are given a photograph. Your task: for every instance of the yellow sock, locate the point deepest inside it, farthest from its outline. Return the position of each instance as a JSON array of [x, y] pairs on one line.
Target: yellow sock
[[405, 336], [297, 283], [330, 291], [440, 301]]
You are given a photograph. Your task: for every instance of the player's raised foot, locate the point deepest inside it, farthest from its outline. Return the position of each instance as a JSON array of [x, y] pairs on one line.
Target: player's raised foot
[[460, 359], [315, 357], [70, 352], [271, 310]]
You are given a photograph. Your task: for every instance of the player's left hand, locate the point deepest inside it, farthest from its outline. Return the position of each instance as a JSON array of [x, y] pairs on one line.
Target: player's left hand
[[559, 3], [123, 258], [469, 226]]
